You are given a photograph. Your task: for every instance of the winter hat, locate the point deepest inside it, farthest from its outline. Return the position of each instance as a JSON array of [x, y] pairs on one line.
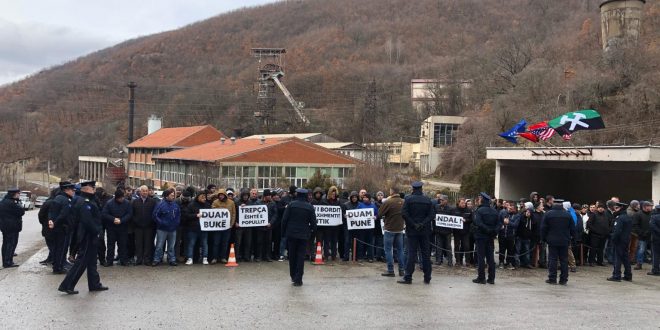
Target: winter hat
[[529, 206]]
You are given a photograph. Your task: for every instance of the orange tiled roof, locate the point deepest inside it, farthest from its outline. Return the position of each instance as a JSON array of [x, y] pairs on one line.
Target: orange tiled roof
[[178, 137], [289, 150]]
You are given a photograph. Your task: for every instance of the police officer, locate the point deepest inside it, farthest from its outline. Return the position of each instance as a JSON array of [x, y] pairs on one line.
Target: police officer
[[11, 223], [298, 224], [59, 223], [418, 213], [486, 224], [557, 229], [620, 238], [90, 227]]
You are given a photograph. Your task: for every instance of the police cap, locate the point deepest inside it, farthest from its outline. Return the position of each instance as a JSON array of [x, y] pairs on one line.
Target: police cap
[[89, 183], [301, 191], [484, 195], [417, 184], [13, 190], [66, 185]]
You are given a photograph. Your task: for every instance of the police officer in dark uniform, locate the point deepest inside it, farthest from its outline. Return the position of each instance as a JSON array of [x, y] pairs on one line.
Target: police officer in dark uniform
[[88, 232], [298, 224], [486, 224], [60, 224], [620, 239], [418, 213], [558, 230], [11, 223]]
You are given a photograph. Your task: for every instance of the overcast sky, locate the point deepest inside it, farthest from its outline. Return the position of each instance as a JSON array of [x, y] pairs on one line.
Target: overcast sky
[[36, 34]]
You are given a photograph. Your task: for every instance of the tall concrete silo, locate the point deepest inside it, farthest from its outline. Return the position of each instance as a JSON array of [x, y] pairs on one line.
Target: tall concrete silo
[[620, 22]]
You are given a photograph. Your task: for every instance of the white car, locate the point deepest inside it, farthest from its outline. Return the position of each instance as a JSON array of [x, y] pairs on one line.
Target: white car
[[26, 203]]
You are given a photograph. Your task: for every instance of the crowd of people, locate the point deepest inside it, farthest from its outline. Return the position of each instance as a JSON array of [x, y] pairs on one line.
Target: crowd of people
[[145, 229]]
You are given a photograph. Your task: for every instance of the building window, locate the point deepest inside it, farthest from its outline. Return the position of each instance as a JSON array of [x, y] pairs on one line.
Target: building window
[[444, 135]]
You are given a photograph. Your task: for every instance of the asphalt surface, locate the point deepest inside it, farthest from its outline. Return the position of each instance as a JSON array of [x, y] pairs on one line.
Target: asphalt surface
[[334, 296]]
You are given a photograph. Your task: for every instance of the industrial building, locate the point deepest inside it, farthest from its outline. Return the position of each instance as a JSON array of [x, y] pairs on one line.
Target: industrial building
[[578, 174]]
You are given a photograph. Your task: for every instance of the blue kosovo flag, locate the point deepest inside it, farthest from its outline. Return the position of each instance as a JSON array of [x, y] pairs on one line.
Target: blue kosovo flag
[[512, 134]]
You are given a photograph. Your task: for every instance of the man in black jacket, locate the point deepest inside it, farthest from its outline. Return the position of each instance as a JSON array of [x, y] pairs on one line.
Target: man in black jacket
[[90, 227], [145, 228], [418, 213], [486, 226], [298, 224], [117, 212], [640, 229], [557, 229], [59, 222], [11, 223], [443, 234], [45, 231], [599, 229], [654, 226], [621, 242]]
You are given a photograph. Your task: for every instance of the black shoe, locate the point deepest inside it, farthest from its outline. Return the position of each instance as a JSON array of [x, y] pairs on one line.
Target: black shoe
[[257, 260], [46, 262], [614, 279], [479, 281], [653, 274], [370, 260], [108, 264], [154, 264], [173, 263], [563, 282], [490, 281], [601, 264], [101, 288], [59, 272], [401, 272], [427, 281], [404, 281], [11, 266], [297, 284], [388, 274], [123, 263], [627, 279], [551, 282], [139, 262], [67, 291]]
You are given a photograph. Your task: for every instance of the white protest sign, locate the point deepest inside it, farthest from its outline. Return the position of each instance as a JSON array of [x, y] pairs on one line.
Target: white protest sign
[[360, 219], [214, 219], [328, 215], [253, 216], [449, 221]]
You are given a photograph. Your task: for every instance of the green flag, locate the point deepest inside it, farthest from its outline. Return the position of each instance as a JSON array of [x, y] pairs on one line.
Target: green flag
[[578, 120]]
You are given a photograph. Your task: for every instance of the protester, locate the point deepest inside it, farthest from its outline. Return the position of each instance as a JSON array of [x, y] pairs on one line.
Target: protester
[[331, 236], [641, 231], [487, 224], [144, 226], [190, 219], [442, 235], [116, 215], [507, 236], [220, 247], [365, 244], [393, 225], [462, 240], [167, 217]]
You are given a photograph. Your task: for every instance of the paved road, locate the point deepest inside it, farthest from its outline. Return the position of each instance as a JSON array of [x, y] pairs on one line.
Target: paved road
[[341, 295]]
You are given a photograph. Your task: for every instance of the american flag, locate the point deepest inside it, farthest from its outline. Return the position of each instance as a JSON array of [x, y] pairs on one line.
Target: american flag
[[542, 130]]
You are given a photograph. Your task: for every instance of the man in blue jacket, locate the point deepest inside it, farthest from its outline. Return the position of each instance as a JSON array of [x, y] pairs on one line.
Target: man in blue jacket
[[557, 229], [116, 214], [418, 213], [167, 216], [298, 224], [11, 223], [620, 239], [486, 225], [60, 224]]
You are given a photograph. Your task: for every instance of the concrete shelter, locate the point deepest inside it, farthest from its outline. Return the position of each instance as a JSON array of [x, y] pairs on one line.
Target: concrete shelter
[[578, 174]]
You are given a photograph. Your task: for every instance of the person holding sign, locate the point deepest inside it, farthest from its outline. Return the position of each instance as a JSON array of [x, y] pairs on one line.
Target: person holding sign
[[419, 213], [298, 224], [330, 239], [365, 247], [243, 235], [190, 216], [220, 246]]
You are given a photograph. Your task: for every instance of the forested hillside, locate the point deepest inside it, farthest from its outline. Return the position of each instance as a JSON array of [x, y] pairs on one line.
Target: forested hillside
[[351, 62]]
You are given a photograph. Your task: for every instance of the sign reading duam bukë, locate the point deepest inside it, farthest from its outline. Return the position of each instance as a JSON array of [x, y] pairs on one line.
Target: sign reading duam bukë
[[253, 216], [449, 221], [214, 219], [360, 219], [328, 215]]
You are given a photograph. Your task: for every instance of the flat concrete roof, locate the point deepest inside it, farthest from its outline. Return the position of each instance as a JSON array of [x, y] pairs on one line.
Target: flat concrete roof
[[579, 154]]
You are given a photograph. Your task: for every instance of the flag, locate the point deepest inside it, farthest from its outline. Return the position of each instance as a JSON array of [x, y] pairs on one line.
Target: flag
[[512, 134], [565, 133], [529, 136], [541, 130], [575, 121]]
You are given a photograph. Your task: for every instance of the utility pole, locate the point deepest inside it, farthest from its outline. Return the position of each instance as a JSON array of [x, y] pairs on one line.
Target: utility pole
[[131, 109], [48, 174]]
